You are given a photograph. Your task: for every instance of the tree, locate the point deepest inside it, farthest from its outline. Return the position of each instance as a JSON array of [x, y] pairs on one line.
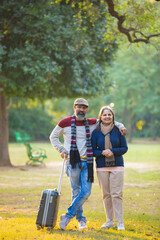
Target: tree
[[63, 47], [136, 91], [137, 20], [140, 19], [45, 53]]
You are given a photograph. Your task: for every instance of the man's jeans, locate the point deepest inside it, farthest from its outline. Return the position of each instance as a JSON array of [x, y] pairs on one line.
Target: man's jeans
[[81, 189]]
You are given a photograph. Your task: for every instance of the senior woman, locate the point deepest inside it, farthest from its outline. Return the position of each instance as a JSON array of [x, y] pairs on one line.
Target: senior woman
[[108, 147]]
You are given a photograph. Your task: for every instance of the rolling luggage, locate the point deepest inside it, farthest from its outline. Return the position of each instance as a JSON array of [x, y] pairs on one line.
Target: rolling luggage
[[48, 209]]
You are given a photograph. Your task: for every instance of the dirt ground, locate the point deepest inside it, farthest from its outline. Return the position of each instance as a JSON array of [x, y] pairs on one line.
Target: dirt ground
[[140, 167]]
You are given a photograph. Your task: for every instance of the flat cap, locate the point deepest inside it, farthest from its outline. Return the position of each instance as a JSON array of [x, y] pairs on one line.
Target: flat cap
[[81, 101]]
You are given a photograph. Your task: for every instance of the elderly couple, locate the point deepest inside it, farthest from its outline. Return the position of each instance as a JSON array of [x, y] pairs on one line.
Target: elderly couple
[[84, 139]]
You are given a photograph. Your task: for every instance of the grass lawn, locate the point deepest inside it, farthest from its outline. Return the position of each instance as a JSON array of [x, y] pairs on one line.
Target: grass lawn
[[21, 188]]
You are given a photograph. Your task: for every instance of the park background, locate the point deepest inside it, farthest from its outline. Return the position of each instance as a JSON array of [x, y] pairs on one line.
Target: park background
[[52, 53]]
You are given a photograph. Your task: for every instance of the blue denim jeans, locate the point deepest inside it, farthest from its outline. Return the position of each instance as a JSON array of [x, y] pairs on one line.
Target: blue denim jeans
[[81, 189]]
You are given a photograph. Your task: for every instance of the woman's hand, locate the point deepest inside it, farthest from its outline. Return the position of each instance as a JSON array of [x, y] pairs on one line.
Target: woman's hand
[[107, 153]]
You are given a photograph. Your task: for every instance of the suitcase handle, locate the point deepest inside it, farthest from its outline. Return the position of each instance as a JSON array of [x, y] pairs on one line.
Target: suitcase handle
[[60, 180]]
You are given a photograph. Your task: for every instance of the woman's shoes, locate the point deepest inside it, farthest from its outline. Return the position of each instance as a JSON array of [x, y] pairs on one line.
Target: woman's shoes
[[120, 226], [108, 224]]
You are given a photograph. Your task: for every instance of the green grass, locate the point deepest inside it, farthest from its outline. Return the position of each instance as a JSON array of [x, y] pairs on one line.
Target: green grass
[[137, 152], [19, 156], [21, 188], [144, 153]]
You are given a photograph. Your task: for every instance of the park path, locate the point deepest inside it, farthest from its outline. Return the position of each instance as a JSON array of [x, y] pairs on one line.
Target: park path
[[140, 167], [55, 167]]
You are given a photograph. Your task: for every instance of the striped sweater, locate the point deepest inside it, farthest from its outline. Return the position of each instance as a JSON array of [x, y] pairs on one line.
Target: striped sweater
[[64, 127]]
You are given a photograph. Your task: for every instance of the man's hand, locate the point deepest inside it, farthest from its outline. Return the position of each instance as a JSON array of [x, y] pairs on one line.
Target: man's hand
[[123, 131], [64, 153]]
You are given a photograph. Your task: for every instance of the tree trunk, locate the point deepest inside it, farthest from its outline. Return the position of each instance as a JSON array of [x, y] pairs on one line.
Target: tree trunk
[[4, 133], [153, 127], [130, 135], [131, 126]]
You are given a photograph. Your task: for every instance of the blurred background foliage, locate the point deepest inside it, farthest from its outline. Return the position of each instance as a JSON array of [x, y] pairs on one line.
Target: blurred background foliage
[[59, 49], [134, 92]]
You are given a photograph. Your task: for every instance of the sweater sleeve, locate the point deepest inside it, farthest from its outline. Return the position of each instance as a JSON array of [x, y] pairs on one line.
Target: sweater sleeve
[[118, 125], [54, 138], [122, 149], [96, 152]]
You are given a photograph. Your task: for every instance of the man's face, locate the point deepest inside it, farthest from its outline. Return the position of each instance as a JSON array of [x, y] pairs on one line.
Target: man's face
[[80, 111]]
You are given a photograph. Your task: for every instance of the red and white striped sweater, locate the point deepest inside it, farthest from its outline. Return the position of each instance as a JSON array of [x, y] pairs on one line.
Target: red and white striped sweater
[[64, 127]]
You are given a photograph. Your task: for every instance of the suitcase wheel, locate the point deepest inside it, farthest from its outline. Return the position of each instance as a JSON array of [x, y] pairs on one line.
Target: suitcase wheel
[[49, 228], [38, 227]]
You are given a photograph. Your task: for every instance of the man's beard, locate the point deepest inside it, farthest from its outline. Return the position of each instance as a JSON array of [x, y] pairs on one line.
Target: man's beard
[[80, 115]]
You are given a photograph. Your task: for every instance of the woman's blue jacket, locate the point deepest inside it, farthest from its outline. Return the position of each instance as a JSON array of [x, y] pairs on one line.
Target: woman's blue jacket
[[119, 146]]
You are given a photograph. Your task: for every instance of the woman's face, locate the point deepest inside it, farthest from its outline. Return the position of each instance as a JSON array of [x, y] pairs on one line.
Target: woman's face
[[107, 117]]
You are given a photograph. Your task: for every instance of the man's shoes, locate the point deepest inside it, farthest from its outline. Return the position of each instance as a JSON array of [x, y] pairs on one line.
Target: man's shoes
[[82, 225], [64, 222], [108, 224], [120, 226]]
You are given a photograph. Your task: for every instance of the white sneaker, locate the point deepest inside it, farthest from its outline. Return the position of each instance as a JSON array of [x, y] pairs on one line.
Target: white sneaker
[[82, 225], [120, 226], [108, 224], [64, 222]]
